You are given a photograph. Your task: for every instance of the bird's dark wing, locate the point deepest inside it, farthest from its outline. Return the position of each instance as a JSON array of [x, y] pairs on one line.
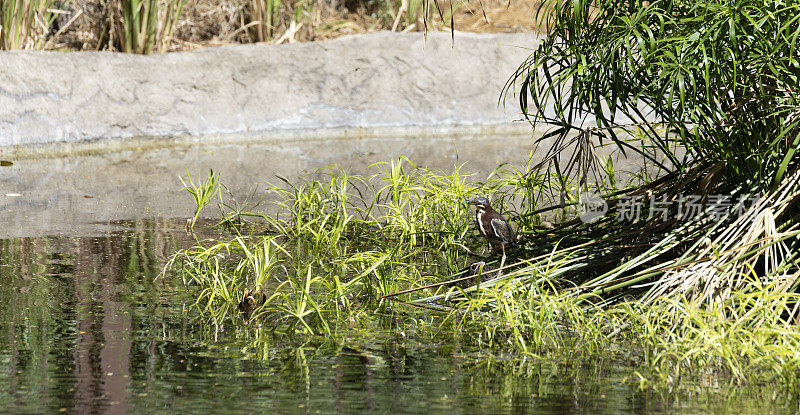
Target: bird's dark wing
[[503, 230]]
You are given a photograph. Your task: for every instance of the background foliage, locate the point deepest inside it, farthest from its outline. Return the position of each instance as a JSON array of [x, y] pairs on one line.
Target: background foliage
[[720, 78]]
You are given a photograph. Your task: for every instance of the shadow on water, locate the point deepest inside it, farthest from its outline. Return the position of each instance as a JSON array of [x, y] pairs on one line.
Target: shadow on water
[[86, 327]]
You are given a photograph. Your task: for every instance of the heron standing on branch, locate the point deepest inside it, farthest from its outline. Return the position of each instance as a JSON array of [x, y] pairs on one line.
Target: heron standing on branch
[[492, 226]]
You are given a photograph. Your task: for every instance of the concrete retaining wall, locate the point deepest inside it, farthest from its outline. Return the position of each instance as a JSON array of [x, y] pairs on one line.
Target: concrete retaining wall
[[373, 81]]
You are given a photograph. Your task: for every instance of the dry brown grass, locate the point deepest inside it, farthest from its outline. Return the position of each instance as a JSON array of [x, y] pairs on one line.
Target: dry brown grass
[[502, 16], [84, 33], [217, 22]]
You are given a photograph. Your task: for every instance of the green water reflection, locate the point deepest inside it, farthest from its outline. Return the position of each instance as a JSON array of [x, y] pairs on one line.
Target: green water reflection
[[86, 327]]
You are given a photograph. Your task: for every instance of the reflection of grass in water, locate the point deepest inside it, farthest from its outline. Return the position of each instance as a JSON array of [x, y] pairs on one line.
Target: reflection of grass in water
[[25, 305], [62, 297], [334, 253]]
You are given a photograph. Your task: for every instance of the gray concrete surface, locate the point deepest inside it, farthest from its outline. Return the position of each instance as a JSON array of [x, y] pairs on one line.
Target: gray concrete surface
[[374, 81]]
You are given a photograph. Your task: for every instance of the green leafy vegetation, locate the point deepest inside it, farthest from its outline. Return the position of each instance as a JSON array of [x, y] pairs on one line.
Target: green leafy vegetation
[[335, 247], [148, 25], [711, 85], [703, 92], [203, 193], [24, 24], [713, 80], [331, 256], [718, 78]]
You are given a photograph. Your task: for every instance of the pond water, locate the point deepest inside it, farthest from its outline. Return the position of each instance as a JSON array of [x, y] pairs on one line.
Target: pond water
[[87, 327]]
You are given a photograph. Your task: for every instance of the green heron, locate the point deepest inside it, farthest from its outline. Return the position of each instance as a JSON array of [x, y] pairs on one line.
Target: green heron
[[492, 226]]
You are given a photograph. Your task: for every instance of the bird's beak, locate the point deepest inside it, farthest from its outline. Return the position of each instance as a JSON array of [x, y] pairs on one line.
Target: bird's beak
[[472, 202]]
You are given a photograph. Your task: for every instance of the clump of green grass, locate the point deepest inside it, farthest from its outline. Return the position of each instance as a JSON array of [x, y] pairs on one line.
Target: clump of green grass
[[203, 193], [25, 24], [272, 20], [750, 338], [337, 244], [708, 294], [339, 247], [148, 25]]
